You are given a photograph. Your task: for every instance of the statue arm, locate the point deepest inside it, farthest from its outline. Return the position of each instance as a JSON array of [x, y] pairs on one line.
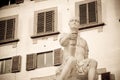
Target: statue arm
[[86, 51], [64, 39]]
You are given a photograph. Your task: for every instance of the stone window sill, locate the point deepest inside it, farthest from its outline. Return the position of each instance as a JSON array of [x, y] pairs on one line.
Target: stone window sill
[[92, 26], [9, 6], [44, 35], [8, 41]]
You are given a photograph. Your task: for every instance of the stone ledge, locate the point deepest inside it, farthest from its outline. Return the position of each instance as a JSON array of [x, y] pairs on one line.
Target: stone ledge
[[53, 77]]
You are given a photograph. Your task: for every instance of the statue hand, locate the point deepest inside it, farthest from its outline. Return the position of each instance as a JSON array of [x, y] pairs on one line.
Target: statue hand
[[73, 36]]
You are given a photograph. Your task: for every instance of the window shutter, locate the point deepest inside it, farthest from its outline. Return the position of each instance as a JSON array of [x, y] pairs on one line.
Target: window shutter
[[57, 57], [40, 23], [10, 29], [92, 11], [83, 13], [31, 62], [2, 30], [19, 1], [49, 21], [16, 64]]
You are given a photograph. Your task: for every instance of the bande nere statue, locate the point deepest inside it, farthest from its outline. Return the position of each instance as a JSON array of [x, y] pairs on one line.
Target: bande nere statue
[[76, 64]]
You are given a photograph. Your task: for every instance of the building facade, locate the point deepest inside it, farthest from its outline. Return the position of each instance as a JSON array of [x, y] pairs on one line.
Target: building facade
[[29, 32]]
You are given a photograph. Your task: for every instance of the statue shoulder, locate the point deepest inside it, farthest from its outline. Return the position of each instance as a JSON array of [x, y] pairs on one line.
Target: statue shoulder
[[82, 41]]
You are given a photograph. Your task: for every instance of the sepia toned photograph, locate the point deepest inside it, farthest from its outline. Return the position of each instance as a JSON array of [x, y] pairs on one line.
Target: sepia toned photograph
[[59, 39]]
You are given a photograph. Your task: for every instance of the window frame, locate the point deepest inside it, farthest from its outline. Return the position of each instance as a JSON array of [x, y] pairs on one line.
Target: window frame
[[15, 29], [38, 59], [52, 55], [3, 66], [98, 15], [12, 64], [35, 22]]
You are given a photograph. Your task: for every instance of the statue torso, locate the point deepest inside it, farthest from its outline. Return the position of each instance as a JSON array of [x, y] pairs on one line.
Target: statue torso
[[80, 49]]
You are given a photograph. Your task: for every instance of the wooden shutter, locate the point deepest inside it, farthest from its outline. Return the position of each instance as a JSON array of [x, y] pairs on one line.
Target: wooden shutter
[[19, 1], [40, 23], [92, 11], [49, 21], [10, 29], [2, 30], [16, 64], [57, 57], [31, 62], [83, 13]]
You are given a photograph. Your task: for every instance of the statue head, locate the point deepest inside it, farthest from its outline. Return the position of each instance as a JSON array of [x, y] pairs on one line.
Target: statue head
[[74, 23]]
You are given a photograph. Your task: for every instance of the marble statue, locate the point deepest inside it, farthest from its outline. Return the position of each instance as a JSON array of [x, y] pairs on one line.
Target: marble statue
[[76, 64]]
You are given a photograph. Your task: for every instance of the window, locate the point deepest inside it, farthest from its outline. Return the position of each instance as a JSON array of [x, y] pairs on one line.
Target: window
[[89, 12], [6, 66], [9, 2], [49, 59], [10, 65], [7, 28], [45, 21], [40, 60], [44, 59]]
